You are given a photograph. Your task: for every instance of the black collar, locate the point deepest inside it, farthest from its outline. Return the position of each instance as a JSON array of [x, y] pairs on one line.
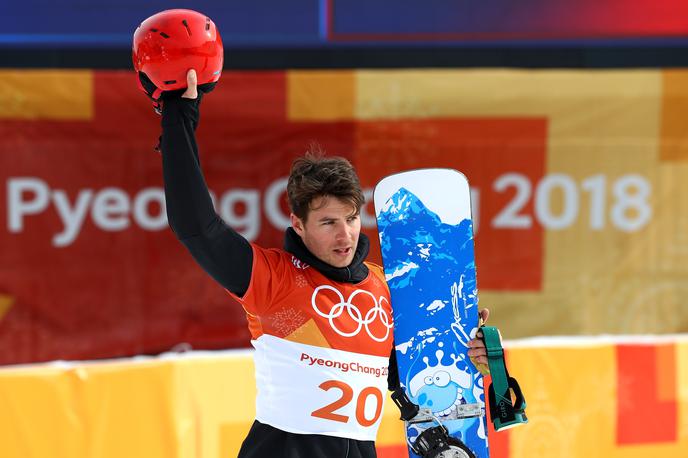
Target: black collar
[[355, 272]]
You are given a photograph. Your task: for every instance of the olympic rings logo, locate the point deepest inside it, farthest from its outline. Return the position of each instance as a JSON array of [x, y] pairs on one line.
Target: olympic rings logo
[[354, 313]]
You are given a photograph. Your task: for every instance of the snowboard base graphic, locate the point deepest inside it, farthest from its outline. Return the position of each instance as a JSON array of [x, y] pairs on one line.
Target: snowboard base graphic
[[426, 237]]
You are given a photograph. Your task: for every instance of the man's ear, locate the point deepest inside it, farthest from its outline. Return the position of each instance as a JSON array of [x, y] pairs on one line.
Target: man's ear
[[297, 224]]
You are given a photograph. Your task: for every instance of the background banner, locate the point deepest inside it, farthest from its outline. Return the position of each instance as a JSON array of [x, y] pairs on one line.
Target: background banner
[[579, 181]]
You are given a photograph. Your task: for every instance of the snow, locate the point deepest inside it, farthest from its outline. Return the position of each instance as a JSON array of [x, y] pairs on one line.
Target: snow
[[436, 305], [424, 250], [399, 271]]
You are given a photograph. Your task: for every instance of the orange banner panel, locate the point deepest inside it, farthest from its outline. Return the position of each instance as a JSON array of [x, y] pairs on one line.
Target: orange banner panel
[[646, 413]]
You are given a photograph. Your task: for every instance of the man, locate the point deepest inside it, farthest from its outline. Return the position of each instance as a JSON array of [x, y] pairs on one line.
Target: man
[[319, 315]]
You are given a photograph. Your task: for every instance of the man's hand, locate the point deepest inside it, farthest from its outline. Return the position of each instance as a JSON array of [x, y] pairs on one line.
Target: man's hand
[[191, 85], [477, 351]]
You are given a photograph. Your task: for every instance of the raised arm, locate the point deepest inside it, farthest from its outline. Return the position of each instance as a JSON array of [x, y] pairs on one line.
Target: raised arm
[[220, 250]]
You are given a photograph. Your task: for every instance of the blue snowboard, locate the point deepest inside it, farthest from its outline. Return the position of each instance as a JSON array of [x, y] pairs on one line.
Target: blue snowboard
[[426, 236]]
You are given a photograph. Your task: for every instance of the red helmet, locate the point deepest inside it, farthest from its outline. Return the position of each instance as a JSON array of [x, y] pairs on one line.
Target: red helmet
[[169, 43]]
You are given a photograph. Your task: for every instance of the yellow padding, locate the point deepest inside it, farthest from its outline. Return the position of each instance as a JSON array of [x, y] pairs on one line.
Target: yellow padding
[[201, 405]]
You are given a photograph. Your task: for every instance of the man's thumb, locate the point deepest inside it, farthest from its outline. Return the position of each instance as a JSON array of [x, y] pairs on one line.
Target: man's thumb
[[484, 315], [191, 82]]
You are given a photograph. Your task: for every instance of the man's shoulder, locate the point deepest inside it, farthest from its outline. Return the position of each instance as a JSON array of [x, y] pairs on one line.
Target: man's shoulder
[[376, 269], [278, 257]]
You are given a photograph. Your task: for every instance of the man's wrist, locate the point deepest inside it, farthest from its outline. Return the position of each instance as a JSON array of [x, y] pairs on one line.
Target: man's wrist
[[176, 110]]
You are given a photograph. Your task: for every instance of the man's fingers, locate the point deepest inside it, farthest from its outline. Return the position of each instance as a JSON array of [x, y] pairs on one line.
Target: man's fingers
[[481, 360], [479, 356], [476, 343], [191, 85], [473, 352]]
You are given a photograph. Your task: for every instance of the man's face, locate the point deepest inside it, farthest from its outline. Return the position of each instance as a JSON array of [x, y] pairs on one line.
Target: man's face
[[331, 230]]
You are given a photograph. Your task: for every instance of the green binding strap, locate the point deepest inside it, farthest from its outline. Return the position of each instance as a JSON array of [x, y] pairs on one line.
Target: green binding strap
[[504, 412]]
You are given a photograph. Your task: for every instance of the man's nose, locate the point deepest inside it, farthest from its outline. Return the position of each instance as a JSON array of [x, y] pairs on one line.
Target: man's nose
[[343, 231]]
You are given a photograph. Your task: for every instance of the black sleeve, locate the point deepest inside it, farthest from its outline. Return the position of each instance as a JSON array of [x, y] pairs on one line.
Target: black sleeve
[[393, 372], [220, 250]]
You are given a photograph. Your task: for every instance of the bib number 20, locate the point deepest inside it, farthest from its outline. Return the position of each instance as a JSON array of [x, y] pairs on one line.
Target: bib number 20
[[347, 396]]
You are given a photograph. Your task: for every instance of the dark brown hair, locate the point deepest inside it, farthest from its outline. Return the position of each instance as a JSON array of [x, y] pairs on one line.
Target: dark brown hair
[[315, 175]]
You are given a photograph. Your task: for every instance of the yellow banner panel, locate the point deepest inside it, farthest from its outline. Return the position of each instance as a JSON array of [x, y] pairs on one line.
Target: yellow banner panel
[[59, 95], [314, 95]]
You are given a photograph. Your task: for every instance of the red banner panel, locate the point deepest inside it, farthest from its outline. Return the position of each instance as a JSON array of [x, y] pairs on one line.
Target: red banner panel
[[90, 269]]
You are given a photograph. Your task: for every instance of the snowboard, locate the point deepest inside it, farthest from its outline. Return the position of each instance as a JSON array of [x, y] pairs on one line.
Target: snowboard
[[426, 237]]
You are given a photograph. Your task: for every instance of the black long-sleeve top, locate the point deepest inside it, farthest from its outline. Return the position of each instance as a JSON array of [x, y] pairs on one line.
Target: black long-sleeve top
[[221, 251]]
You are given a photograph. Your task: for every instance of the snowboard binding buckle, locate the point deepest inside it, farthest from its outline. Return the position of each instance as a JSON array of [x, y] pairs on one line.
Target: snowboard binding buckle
[[436, 442]]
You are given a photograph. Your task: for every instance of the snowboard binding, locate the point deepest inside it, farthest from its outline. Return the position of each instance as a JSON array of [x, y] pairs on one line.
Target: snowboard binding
[[505, 412], [433, 442]]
